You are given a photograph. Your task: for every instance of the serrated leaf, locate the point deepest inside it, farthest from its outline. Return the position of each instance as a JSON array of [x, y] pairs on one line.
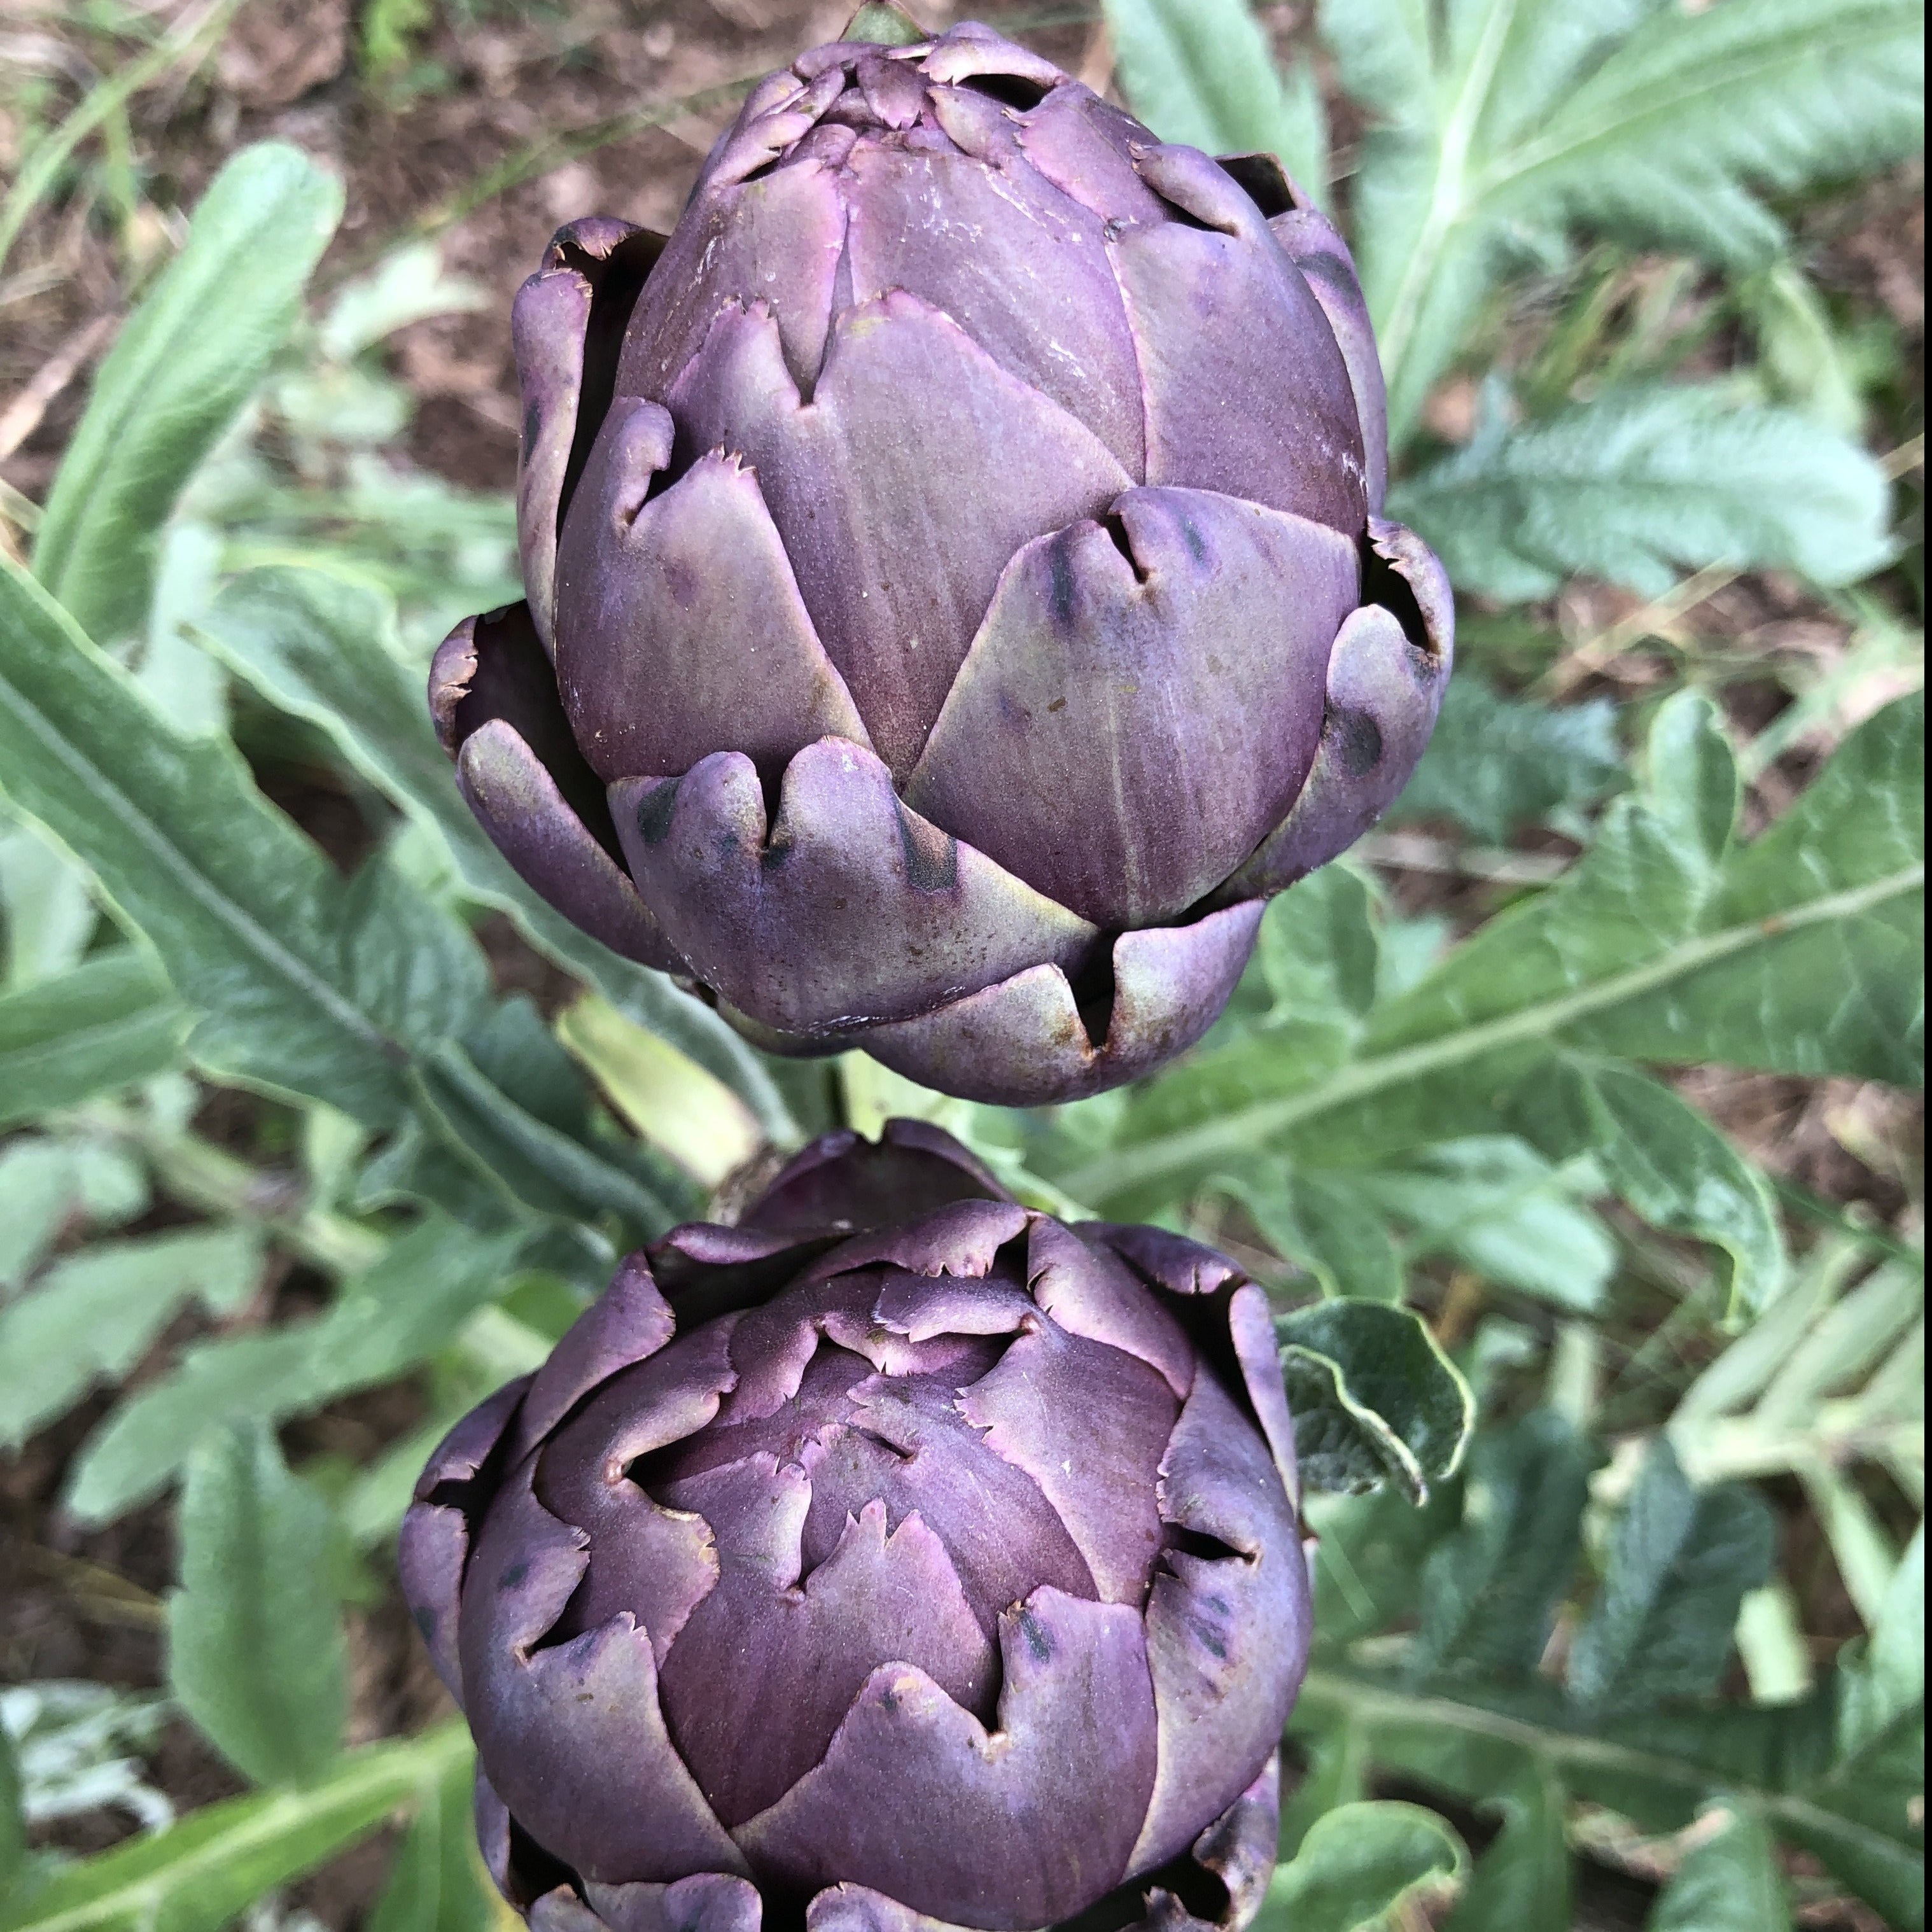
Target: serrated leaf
[[187, 360], [1503, 1210], [242, 908], [1490, 1592], [256, 1656], [1358, 1863], [1681, 1561], [315, 646], [46, 908], [1474, 1737], [1667, 129], [197, 1875], [94, 1314], [1505, 121], [404, 1309], [1640, 486], [1318, 958], [1729, 1881], [140, 1448], [1375, 1399], [1323, 1224], [306, 986], [1522, 1881], [1667, 1161], [1495, 764], [1797, 953], [1202, 72], [1822, 995], [108, 1022]]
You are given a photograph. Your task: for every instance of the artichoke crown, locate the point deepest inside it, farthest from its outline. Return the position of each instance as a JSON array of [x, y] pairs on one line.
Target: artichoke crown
[[898, 1549], [957, 593]]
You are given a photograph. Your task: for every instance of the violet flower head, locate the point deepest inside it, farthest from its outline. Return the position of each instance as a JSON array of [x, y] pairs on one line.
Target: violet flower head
[[897, 1559], [957, 596]]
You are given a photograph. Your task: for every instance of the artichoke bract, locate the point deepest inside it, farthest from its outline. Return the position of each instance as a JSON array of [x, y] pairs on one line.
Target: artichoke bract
[[898, 1558], [957, 596]]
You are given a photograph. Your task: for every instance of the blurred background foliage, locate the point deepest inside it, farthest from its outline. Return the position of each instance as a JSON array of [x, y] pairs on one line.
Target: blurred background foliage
[[1573, 1121]]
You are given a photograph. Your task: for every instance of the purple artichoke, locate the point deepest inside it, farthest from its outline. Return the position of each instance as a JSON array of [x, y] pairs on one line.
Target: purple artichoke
[[957, 598], [898, 1556]]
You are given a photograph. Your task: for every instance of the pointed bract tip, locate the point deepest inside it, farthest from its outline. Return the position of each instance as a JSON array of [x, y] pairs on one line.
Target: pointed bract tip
[[882, 23]]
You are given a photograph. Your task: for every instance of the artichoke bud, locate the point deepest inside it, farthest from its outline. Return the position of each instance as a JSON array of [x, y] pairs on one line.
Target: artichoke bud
[[957, 593], [899, 1555]]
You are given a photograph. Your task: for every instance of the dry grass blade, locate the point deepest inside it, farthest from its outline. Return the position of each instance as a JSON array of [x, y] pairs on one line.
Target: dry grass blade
[[22, 416], [196, 36], [1597, 652]]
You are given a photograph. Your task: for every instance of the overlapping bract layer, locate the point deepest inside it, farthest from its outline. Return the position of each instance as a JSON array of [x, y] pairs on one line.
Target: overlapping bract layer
[[957, 596], [900, 1553]]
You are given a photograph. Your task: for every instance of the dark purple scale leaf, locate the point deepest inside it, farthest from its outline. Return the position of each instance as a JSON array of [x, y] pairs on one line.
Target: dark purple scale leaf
[[1090, 1425], [1045, 305], [908, 409], [763, 1643], [909, 1799], [680, 630], [1142, 704], [1025, 1041]]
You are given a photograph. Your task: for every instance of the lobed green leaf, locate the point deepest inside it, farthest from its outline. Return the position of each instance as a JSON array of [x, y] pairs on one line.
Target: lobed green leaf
[[1490, 1592], [1357, 1864], [94, 1316], [189, 358], [404, 1309], [102, 1025], [1680, 1563], [1665, 942], [1495, 764], [1502, 124], [318, 647], [1375, 1399], [1639, 486], [256, 1655], [1201, 72], [240, 906]]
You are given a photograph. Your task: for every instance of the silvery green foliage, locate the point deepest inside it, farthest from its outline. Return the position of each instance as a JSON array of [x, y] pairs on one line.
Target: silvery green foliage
[[78, 1746], [1501, 131], [1514, 1619]]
